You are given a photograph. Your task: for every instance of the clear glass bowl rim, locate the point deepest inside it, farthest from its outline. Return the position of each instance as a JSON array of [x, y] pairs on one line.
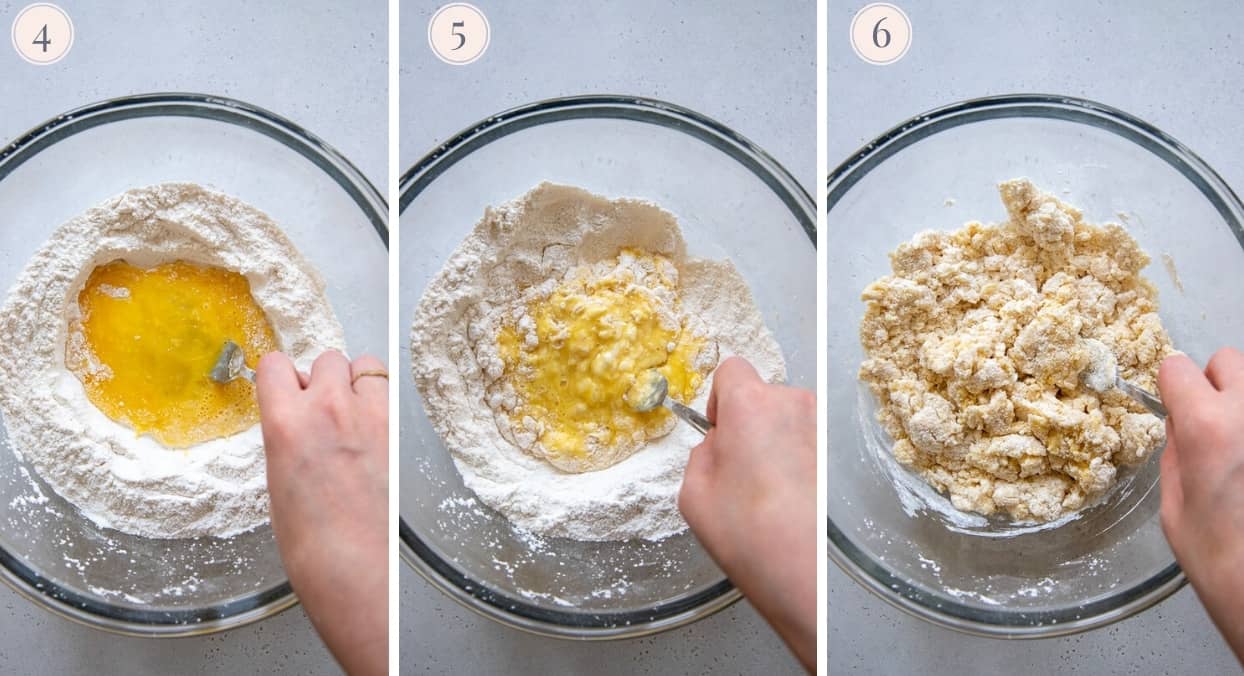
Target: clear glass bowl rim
[[264, 603], [510, 610], [852, 560]]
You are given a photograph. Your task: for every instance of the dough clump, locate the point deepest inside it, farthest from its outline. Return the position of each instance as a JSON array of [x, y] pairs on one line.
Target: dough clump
[[975, 347]]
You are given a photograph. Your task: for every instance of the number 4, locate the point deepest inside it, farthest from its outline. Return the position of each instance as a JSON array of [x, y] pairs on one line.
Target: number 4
[[42, 38]]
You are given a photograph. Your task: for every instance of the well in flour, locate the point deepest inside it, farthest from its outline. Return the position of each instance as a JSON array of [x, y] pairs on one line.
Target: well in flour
[[115, 477], [142, 340], [520, 255]]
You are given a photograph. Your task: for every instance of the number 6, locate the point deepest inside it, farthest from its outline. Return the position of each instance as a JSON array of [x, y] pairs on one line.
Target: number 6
[[878, 30]]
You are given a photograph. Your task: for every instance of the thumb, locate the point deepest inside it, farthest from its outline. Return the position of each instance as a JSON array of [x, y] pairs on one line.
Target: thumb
[[730, 373], [1182, 385], [275, 381]]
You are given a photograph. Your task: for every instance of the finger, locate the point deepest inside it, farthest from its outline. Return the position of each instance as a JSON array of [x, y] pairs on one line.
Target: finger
[[710, 409], [374, 388], [695, 476], [1226, 369], [1182, 385], [275, 381], [736, 370], [701, 459], [730, 373], [330, 371], [1171, 489]]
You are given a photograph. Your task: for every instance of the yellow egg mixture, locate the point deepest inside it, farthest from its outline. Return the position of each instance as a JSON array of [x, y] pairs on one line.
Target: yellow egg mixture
[[578, 350], [147, 339]]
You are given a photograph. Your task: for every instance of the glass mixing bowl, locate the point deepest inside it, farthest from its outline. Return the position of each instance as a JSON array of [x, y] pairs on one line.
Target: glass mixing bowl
[[732, 201], [49, 552], [887, 529]]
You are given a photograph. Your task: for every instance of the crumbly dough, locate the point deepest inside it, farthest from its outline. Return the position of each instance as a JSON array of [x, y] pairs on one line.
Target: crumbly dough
[[975, 349]]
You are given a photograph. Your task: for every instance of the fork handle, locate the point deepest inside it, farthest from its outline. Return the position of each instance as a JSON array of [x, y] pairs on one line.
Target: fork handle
[[693, 417], [1146, 399]]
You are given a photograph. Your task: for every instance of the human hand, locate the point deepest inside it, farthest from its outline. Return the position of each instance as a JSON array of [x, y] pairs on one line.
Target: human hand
[[326, 442], [749, 495], [1203, 482]]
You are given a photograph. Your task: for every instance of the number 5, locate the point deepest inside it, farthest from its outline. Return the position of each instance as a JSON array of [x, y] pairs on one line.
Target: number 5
[[453, 30], [878, 30]]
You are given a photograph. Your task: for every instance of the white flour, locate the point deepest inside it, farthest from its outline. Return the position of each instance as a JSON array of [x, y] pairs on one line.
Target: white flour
[[529, 241], [119, 480]]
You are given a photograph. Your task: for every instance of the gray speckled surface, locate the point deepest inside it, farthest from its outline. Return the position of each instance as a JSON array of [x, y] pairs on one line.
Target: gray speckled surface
[[1178, 67], [323, 66], [440, 637], [750, 67]]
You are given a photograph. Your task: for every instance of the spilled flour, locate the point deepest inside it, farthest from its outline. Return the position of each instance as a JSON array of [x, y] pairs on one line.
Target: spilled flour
[[515, 253], [117, 479]]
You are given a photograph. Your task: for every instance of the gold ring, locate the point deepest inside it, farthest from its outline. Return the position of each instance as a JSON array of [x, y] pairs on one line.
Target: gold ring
[[380, 373]]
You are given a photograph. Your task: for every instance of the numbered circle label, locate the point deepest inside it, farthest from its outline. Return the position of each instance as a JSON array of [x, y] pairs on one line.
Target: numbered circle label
[[458, 33], [42, 33], [881, 33]]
